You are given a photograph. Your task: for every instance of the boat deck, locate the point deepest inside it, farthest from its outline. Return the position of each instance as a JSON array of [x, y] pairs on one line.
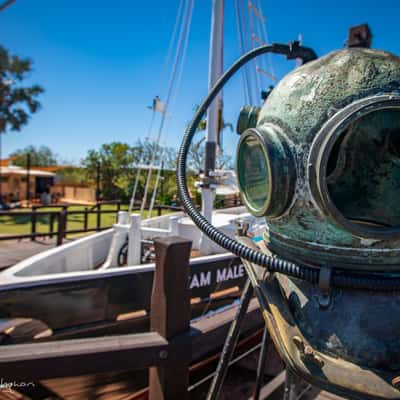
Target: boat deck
[[121, 386], [14, 251]]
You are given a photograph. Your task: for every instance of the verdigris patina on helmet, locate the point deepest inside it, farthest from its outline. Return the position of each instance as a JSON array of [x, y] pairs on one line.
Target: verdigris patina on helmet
[[323, 167]]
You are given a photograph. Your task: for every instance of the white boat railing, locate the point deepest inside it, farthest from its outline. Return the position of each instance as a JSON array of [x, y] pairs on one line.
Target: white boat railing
[[135, 232]]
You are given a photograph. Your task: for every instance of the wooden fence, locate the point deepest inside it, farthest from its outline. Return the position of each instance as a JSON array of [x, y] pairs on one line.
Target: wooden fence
[[165, 350], [58, 220]]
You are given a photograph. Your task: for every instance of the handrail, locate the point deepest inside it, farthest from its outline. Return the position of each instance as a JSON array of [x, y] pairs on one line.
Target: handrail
[[45, 361], [166, 349], [62, 216]]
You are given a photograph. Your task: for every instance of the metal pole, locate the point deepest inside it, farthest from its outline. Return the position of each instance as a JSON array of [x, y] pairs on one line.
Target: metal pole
[[139, 165], [215, 71], [230, 343], [162, 181], [153, 197], [289, 391], [261, 364]]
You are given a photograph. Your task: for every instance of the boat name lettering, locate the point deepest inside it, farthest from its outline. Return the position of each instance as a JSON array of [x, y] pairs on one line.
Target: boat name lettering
[[202, 279]]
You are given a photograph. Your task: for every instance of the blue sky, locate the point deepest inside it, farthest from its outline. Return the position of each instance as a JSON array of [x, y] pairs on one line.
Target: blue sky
[[101, 62]]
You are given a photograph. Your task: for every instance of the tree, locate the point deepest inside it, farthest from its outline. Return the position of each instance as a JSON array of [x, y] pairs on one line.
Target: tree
[[115, 162], [145, 149], [41, 156], [196, 153], [202, 126], [72, 175], [16, 102]]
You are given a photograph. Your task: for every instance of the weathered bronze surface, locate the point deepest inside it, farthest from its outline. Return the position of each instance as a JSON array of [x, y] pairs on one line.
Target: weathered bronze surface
[[247, 118], [303, 105], [340, 116], [329, 351]]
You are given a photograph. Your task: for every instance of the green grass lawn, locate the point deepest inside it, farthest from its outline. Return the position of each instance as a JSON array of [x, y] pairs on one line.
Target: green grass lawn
[[20, 224]]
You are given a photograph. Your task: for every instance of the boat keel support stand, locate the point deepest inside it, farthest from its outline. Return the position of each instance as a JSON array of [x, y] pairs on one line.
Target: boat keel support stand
[[261, 364], [250, 287], [230, 343]]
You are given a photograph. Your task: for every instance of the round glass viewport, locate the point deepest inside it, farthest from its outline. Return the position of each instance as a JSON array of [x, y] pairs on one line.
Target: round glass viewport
[[363, 171], [254, 174]]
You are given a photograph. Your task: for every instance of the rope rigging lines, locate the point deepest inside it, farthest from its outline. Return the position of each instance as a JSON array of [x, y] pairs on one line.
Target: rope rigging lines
[[252, 32], [173, 67]]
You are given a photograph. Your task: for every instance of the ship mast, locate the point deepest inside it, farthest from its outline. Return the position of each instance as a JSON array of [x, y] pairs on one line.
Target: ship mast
[[213, 116]]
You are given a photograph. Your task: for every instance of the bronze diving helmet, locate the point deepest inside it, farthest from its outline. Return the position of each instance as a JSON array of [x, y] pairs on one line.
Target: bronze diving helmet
[[322, 165]]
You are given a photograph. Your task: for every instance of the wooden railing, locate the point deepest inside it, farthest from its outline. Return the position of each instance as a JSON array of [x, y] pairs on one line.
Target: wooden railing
[[166, 349], [170, 351], [58, 220]]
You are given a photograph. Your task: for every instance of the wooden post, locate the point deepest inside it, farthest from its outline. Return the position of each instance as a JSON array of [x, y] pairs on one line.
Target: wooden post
[[159, 210], [85, 220], [61, 226], [98, 223], [51, 225], [65, 211], [118, 210], [170, 317], [33, 223], [28, 174], [97, 182]]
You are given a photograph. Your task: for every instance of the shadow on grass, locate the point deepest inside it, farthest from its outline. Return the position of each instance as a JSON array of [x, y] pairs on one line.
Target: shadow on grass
[[23, 219]]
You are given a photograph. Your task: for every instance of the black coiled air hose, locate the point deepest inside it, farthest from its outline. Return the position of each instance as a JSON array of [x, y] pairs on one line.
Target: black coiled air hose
[[272, 264]]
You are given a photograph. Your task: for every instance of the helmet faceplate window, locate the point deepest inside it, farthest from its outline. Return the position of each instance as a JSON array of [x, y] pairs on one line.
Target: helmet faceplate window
[[363, 171], [254, 176]]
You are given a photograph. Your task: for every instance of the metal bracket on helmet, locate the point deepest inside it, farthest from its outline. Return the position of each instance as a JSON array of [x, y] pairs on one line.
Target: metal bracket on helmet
[[324, 283]]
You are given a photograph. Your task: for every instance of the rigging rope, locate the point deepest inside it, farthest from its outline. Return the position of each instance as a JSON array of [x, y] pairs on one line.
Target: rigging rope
[[240, 42], [187, 15], [173, 101], [244, 41], [139, 166], [252, 46], [180, 73], [266, 40], [149, 134], [251, 28], [172, 40], [260, 39]]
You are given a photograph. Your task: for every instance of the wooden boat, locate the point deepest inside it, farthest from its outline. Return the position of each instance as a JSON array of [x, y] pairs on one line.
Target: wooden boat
[[77, 291], [81, 289]]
